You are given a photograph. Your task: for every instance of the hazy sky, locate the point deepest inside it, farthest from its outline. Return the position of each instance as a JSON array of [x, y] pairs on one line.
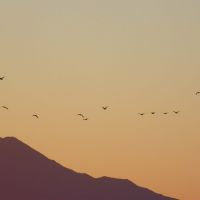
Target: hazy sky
[[63, 57]]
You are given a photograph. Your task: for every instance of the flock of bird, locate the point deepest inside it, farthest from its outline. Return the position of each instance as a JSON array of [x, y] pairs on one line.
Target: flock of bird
[[164, 113], [83, 117], [86, 118], [37, 116], [5, 107]]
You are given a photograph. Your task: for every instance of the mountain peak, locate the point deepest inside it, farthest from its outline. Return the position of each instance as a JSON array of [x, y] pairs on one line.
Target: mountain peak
[[16, 151], [10, 138], [12, 142]]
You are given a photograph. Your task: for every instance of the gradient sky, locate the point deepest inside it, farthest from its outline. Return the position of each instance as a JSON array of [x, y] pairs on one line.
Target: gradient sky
[[63, 57]]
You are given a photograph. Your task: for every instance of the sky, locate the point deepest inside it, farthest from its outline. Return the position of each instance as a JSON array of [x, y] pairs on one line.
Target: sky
[[61, 58]]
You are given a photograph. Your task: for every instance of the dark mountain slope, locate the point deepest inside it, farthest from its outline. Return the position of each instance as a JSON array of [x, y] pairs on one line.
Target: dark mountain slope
[[25, 174]]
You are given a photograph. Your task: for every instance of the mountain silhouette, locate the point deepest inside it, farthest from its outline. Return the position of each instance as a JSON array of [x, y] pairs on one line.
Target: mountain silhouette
[[26, 174]]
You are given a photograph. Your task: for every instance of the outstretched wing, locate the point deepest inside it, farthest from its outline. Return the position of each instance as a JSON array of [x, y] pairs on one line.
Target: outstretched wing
[[5, 107], [141, 114], [81, 115], [176, 112]]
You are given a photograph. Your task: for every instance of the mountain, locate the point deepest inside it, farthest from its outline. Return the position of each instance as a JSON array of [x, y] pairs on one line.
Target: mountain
[[26, 174]]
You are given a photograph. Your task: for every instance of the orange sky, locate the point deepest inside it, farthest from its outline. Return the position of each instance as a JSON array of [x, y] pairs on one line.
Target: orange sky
[[61, 58]]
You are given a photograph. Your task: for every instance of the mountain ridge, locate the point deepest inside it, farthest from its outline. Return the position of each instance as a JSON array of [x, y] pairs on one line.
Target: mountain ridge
[[31, 175]]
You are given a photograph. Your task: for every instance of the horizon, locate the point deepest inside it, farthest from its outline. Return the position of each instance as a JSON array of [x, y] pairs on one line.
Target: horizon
[[64, 58]]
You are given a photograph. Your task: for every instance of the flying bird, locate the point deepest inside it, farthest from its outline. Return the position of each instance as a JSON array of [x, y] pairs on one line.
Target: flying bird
[[1, 78], [153, 113], [105, 107], [197, 93], [5, 107], [81, 115], [165, 113], [176, 112], [141, 114], [35, 116]]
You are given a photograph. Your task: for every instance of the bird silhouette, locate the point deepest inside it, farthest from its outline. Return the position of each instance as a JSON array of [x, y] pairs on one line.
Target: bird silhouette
[[5, 107], [81, 115], [153, 113], [197, 93], [165, 113], [35, 116], [105, 107], [141, 114], [176, 112], [1, 78], [85, 119]]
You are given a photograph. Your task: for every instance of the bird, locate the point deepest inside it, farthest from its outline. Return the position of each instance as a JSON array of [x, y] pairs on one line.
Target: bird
[[105, 107], [176, 112], [5, 107], [81, 115], [141, 114], [35, 116], [85, 119], [197, 93], [153, 113], [1, 78], [165, 113]]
